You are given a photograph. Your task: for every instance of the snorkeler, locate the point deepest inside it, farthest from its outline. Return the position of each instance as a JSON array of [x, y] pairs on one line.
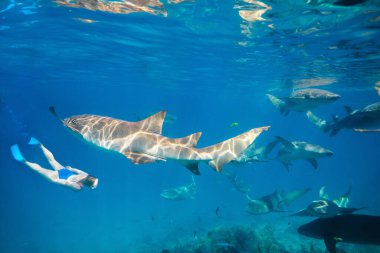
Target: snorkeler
[[63, 175]]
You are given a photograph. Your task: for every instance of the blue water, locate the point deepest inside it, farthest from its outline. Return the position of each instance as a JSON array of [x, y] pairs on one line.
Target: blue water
[[209, 68]]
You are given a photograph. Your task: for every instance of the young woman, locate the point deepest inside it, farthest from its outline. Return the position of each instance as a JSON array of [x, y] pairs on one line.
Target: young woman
[[63, 175]]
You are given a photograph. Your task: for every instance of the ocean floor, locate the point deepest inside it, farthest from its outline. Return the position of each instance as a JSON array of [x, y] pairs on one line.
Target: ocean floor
[[281, 238]]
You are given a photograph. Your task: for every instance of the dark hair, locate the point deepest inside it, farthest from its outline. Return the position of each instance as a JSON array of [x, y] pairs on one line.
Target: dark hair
[[89, 181]]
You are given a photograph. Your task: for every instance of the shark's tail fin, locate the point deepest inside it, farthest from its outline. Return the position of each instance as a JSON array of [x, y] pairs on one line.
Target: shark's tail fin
[[279, 104], [226, 151], [322, 124]]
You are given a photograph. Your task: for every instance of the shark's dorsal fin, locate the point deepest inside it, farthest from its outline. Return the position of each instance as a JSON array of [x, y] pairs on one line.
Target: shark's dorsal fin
[[153, 123], [190, 141], [285, 142], [348, 109], [139, 158]]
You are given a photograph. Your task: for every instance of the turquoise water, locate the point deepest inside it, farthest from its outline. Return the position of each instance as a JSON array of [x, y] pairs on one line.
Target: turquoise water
[[209, 68]]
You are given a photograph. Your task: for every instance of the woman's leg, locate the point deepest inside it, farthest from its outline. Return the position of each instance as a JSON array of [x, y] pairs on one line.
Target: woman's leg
[[49, 155], [49, 174]]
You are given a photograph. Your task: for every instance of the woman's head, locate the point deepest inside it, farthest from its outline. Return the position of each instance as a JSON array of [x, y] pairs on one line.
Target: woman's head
[[90, 181]]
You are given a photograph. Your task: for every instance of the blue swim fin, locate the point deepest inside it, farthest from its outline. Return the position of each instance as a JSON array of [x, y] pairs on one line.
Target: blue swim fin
[[34, 141], [16, 153]]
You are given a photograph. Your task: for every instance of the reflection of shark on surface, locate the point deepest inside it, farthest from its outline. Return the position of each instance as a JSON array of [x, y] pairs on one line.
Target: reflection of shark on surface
[[297, 150], [181, 192], [303, 100], [274, 202], [362, 120], [142, 142], [325, 208], [348, 228]]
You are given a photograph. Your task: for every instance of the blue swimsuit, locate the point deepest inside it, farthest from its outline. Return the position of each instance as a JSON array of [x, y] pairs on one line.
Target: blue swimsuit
[[65, 173]]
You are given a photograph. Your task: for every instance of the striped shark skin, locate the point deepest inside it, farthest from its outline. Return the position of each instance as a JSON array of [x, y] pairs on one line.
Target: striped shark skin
[[142, 142]]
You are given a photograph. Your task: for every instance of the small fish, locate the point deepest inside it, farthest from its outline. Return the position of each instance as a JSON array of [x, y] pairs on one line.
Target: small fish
[[153, 218], [234, 124]]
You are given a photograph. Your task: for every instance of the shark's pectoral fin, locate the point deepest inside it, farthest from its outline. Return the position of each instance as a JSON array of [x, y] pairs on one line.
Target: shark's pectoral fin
[[347, 210], [138, 158], [192, 166], [313, 162], [302, 212], [153, 123], [269, 148], [286, 164], [330, 243], [284, 111], [348, 109]]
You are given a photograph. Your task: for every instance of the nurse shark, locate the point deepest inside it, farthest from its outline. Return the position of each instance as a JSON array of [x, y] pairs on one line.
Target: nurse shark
[[348, 228], [300, 150], [142, 141], [303, 100], [274, 202], [361, 120]]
